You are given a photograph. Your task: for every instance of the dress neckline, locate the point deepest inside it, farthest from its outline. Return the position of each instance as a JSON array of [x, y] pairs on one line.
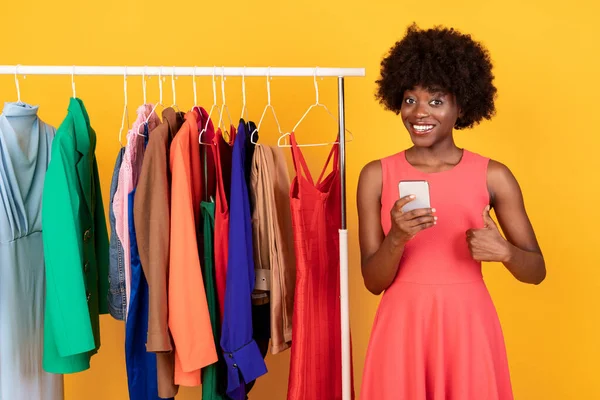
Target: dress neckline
[[465, 154]]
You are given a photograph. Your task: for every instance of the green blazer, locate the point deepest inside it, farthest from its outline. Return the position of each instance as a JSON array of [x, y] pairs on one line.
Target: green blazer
[[75, 247]]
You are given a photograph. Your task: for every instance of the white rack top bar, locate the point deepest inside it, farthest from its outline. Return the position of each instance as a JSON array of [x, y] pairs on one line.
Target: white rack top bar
[[178, 71]]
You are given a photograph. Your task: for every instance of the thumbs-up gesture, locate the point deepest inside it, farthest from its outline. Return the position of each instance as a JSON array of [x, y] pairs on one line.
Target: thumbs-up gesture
[[487, 244]]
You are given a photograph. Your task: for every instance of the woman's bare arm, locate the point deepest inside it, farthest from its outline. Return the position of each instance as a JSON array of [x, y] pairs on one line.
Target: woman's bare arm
[[524, 258]]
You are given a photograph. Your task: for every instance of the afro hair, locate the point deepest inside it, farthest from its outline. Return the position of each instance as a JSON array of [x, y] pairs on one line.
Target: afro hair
[[440, 58]]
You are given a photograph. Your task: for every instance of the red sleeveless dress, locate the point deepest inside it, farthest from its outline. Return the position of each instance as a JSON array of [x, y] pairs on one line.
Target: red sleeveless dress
[[316, 357], [222, 152]]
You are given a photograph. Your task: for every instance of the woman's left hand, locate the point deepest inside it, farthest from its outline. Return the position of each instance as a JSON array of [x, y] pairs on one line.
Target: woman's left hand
[[487, 244]]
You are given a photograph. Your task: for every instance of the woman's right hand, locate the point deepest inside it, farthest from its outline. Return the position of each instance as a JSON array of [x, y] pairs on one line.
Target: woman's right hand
[[405, 225]]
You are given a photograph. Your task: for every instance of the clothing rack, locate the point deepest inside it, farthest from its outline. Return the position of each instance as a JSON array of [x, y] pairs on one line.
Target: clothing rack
[[340, 73]]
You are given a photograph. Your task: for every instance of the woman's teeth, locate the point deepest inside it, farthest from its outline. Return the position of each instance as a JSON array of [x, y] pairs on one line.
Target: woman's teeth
[[422, 128]]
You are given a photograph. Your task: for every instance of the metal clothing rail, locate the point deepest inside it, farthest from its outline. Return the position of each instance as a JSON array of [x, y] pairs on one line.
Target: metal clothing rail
[[340, 73], [178, 71]]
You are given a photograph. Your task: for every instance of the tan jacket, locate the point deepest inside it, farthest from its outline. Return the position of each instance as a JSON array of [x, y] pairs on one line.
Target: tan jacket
[[274, 256], [152, 225]]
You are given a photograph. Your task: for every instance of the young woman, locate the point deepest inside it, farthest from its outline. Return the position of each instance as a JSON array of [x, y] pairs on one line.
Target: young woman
[[436, 335]]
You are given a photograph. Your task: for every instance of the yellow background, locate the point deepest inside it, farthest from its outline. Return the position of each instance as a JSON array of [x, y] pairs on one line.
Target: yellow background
[[546, 60]]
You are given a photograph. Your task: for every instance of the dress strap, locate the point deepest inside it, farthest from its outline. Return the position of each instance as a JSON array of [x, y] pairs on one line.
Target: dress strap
[[335, 151], [297, 154], [216, 148]]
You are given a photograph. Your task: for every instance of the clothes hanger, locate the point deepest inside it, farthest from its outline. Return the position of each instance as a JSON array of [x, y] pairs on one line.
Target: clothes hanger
[[173, 77], [224, 108], [19, 102], [194, 86], [214, 106], [145, 98], [268, 106], [160, 98], [73, 82], [244, 108], [316, 104], [144, 83], [125, 110]]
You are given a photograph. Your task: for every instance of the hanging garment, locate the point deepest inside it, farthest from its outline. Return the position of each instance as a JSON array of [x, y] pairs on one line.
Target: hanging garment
[[75, 247], [436, 334], [152, 222], [207, 156], [128, 177], [261, 309], [189, 319], [274, 256], [222, 155], [214, 380], [141, 364], [25, 145], [242, 355], [117, 301], [316, 365]]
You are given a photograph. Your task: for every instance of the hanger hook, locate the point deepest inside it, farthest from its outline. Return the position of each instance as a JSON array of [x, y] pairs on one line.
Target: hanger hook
[[269, 86], [125, 113], [73, 82], [173, 85], [125, 85], [243, 92], [194, 85], [223, 84], [17, 83], [214, 85], [160, 86], [316, 87], [144, 83]]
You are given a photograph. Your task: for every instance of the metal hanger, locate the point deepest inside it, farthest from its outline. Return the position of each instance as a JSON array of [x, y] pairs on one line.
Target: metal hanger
[[160, 102], [160, 98], [224, 107], [173, 77], [194, 86], [316, 104], [244, 108], [267, 107], [144, 83], [125, 110], [214, 106], [73, 82], [17, 85]]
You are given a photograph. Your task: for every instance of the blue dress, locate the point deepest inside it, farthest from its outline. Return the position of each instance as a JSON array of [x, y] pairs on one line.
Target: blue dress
[[244, 360], [25, 145]]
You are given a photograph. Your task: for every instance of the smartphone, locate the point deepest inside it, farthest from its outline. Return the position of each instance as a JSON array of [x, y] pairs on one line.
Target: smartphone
[[420, 189]]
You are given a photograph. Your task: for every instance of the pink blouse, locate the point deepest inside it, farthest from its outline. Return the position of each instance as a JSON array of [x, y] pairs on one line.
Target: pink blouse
[[128, 177]]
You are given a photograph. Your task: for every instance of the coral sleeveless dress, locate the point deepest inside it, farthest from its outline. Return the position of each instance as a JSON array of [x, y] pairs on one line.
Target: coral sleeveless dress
[[436, 334]]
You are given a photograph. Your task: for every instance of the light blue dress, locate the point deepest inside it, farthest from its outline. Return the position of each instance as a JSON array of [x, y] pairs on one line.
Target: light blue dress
[[25, 144]]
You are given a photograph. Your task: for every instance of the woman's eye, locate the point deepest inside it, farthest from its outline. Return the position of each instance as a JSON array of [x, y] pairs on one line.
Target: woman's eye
[[436, 102], [409, 101]]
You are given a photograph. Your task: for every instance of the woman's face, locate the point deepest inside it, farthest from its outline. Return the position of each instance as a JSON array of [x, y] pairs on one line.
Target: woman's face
[[428, 115]]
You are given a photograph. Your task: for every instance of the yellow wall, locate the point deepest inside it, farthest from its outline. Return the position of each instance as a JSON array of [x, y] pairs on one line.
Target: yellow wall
[[546, 130]]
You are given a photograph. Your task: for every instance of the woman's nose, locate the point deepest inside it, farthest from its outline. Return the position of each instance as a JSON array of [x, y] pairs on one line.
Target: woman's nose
[[422, 111]]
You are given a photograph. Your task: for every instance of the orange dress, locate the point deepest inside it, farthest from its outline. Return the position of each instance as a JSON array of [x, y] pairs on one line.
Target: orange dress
[[189, 320], [436, 335]]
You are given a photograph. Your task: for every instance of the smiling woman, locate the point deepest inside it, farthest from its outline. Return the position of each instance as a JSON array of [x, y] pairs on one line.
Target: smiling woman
[[426, 113], [437, 334]]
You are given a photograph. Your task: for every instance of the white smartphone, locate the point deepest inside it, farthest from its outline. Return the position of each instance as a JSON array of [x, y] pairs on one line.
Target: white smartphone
[[420, 189]]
